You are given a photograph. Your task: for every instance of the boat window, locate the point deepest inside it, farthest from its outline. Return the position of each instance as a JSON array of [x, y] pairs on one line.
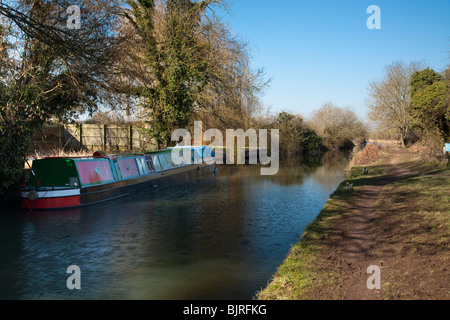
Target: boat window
[[149, 161], [117, 169], [144, 165], [169, 160], [141, 166], [156, 163], [164, 163]]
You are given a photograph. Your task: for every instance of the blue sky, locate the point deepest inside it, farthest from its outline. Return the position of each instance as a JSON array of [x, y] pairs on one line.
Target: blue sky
[[322, 51]]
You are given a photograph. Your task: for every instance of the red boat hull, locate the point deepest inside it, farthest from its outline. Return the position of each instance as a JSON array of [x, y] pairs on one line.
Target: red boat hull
[[51, 203]]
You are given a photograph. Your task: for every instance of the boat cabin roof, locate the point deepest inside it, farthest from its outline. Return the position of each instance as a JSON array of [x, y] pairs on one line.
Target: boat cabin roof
[[101, 154]]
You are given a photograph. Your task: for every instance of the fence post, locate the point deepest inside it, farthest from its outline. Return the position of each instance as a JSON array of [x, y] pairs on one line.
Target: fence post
[[104, 137], [131, 137], [81, 136], [62, 136]]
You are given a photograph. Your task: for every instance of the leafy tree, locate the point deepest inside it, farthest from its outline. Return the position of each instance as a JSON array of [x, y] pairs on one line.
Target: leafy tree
[[430, 101], [176, 57], [291, 132], [211, 70], [47, 71], [313, 142], [295, 135]]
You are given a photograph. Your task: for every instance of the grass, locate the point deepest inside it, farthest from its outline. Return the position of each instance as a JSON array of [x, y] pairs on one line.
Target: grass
[[411, 229], [417, 208]]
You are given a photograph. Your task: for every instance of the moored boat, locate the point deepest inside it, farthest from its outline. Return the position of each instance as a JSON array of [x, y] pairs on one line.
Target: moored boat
[[68, 182]]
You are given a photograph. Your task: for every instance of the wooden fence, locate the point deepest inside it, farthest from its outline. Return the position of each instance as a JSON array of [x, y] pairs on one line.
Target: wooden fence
[[92, 137]]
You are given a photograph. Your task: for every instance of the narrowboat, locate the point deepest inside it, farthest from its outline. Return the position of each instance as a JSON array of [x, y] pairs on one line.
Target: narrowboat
[[68, 182]]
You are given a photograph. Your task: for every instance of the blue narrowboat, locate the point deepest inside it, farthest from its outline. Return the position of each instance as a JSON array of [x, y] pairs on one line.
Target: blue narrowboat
[[68, 182]]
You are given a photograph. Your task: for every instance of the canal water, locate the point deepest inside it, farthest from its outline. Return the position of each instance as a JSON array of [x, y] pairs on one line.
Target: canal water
[[218, 238]]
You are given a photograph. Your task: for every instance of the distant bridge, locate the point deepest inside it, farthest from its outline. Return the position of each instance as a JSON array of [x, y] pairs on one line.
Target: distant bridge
[[379, 141]]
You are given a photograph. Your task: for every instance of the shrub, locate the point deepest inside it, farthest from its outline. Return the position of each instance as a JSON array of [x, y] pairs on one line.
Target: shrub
[[429, 148], [368, 155]]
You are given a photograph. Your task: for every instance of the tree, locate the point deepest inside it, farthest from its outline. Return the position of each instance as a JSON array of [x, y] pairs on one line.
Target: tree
[[430, 101], [337, 126], [230, 99], [177, 59], [390, 99], [291, 132], [295, 134], [199, 70], [47, 71]]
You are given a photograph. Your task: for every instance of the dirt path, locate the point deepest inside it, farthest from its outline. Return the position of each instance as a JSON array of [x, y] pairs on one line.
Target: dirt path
[[361, 243], [354, 251], [358, 244]]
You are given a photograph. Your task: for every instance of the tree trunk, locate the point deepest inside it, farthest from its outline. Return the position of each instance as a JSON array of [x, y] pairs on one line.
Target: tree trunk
[[403, 140], [403, 136]]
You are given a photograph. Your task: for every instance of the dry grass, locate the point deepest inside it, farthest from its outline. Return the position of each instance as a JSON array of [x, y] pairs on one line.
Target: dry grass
[[59, 153], [429, 148], [368, 155], [427, 152]]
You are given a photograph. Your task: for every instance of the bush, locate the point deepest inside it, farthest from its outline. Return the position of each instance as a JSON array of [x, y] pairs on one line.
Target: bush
[[368, 155], [12, 171], [429, 148]]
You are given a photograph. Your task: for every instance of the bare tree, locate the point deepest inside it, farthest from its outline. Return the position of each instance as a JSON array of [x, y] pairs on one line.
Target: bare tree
[[337, 126], [389, 99], [231, 96]]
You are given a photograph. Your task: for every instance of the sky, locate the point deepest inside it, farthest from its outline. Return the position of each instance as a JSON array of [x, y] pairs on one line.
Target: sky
[[322, 51]]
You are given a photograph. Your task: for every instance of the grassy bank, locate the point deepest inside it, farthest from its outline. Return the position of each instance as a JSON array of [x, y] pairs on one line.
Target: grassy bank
[[406, 203]]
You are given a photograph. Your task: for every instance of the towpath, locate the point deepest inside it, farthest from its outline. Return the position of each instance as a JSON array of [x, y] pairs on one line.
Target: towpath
[[413, 262], [395, 221]]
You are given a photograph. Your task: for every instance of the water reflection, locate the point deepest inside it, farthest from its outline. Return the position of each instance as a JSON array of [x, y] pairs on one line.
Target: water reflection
[[220, 237]]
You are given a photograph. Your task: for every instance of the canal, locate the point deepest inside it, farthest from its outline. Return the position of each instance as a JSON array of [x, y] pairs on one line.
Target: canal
[[218, 238]]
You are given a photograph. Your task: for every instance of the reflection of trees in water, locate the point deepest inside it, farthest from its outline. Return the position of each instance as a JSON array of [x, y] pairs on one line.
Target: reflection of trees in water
[[332, 162], [336, 160], [322, 168], [295, 167], [291, 170]]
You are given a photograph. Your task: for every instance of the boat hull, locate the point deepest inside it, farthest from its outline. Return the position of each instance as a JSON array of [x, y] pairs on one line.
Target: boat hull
[[78, 197]]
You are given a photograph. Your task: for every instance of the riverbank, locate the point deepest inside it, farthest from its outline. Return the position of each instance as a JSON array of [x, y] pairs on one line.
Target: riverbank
[[396, 218]]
